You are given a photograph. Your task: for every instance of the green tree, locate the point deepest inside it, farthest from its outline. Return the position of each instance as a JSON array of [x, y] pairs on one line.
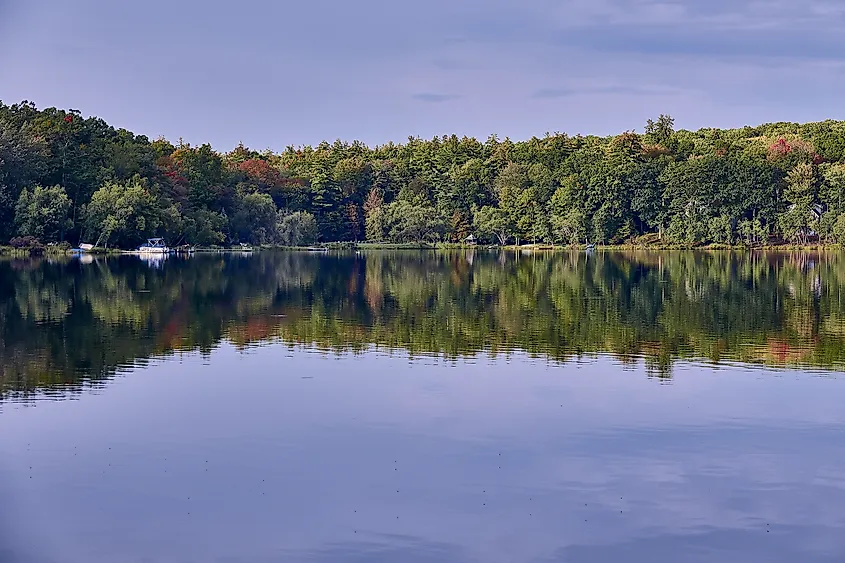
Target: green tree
[[413, 223], [721, 229], [493, 222], [567, 217], [660, 131], [254, 220], [374, 215], [832, 188], [568, 225], [752, 231], [699, 186], [203, 174], [354, 178], [327, 205], [647, 202], [516, 200], [43, 213], [839, 229], [801, 216], [204, 227], [296, 229], [122, 214], [700, 189], [23, 161]]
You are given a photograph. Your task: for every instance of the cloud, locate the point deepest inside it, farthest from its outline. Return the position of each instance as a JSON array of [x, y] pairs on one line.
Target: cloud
[[604, 90], [702, 42], [424, 69], [771, 28], [435, 98], [447, 63]]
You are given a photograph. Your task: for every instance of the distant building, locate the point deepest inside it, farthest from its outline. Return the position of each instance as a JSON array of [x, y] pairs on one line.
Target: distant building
[[815, 215]]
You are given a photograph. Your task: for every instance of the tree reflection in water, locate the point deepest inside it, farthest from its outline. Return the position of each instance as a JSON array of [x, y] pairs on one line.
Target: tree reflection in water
[[66, 323]]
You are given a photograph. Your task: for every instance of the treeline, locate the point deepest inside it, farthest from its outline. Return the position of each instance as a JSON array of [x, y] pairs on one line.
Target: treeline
[[68, 178]]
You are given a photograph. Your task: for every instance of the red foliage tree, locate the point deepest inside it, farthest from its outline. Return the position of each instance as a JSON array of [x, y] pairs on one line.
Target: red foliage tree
[[356, 221], [260, 171], [780, 148]]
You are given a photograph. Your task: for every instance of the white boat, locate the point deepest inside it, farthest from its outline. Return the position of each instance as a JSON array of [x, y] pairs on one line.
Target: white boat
[[154, 246], [86, 247]]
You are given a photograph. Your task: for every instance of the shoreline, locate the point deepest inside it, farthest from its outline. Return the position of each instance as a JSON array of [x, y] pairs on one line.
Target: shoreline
[[10, 252]]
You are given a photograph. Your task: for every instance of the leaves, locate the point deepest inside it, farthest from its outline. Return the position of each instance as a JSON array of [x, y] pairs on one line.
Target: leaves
[[122, 214], [296, 229], [696, 187], [43, 213]]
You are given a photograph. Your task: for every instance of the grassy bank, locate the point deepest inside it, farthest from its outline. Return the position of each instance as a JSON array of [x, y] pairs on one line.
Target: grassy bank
[[12, 252]]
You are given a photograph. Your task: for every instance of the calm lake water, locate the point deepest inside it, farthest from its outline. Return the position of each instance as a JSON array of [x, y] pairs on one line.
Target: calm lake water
[[423, 407]]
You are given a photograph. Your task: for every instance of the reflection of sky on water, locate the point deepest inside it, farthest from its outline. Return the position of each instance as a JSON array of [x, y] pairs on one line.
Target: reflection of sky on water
[[153, 260], [276, 455]]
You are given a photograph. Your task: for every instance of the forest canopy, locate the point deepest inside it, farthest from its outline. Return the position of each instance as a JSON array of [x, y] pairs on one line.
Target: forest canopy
[[64, 177]]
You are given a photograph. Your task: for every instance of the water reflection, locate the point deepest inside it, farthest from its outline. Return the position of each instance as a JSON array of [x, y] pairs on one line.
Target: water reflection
[[280, 455], [523, 427], [64, 322]]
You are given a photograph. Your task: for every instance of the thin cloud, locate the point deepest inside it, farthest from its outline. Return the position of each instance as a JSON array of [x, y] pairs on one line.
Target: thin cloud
[[455, 64], [435, 98], [551, 93], [452, 66], [717, 28], [700, 41]]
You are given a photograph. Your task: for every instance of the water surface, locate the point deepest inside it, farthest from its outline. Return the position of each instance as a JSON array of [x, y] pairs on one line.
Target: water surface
[[419, 406]]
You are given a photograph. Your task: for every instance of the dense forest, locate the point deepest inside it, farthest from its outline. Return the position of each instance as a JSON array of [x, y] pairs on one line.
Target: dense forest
[[66, 321], [68, 178]]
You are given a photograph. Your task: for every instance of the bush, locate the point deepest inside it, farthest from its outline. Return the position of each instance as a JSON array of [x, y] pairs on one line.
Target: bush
[[59, 247], [32, 244], [25, 242]]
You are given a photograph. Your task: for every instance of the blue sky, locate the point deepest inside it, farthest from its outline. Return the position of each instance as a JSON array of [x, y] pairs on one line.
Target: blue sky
[[272, 73]]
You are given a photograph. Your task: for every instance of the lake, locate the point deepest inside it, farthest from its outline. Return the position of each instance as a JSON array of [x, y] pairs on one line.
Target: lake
[[419, 406]]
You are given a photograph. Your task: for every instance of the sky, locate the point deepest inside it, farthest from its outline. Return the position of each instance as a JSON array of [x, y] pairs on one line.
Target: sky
[[273, 73]]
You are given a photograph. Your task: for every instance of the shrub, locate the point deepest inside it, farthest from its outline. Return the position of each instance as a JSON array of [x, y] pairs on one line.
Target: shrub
[[25, 242]]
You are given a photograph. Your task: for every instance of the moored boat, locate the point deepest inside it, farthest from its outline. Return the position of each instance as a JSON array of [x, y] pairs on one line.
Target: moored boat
[[154, 246]]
